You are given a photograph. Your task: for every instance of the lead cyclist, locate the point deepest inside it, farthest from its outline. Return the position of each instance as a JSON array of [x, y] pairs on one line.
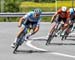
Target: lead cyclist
[[33, 18]]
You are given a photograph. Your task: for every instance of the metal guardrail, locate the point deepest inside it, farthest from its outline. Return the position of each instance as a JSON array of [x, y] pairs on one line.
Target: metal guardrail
[[21, 14]]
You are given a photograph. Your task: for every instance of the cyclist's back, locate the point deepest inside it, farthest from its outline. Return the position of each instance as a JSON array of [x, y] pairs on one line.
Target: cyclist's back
[[30, 17], [61, 14]]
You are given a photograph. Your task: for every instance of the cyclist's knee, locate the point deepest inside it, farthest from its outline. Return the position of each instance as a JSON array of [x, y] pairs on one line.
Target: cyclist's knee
[[57, 18], [20, 31]]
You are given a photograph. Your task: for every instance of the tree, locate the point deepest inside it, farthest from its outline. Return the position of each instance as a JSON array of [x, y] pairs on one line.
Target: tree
[[36, 0], [11, 6]]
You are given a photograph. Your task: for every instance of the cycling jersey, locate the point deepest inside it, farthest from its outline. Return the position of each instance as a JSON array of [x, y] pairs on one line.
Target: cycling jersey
[[63, 14], [72, 15], [30, 17]]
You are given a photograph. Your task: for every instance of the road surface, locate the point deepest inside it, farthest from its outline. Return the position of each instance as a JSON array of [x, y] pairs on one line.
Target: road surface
[[35, 49]]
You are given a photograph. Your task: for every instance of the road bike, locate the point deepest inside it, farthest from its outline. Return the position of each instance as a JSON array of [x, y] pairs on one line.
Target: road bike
[[54, 28], [21, 38]]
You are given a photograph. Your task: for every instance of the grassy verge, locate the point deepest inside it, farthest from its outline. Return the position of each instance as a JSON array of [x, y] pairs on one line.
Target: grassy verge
[[9, 19], [27, 6], [44, 19]]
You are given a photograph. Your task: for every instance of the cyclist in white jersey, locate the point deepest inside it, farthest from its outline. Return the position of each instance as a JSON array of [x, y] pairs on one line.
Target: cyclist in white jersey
[[32, 17]]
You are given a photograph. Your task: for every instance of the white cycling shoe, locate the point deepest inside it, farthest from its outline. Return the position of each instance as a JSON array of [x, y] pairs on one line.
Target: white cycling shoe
[[13, 45]]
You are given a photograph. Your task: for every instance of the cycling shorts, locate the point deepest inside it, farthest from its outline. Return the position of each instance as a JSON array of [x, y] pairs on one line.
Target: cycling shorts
[[27, 23]]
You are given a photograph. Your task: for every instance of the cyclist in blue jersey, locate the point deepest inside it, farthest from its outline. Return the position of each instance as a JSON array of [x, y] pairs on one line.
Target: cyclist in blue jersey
[[72, 17], [32, 17]]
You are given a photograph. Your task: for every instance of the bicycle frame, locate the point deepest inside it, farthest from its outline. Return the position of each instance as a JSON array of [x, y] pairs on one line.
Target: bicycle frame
[[21, 38]]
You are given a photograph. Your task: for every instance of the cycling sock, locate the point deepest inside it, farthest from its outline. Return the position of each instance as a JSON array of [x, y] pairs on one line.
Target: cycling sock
[[48, 34], [15, 40]]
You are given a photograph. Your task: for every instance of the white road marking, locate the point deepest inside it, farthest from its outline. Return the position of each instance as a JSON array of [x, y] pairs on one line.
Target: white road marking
[[61, 54], [43, 37], [54, 53], [32, 46]]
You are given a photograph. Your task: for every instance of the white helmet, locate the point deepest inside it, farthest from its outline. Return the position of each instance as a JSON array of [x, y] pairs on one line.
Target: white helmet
[[64, 9]]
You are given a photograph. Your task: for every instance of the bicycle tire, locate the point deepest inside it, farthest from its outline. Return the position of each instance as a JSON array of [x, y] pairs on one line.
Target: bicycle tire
[[16, 48], [51, 36], [49, 40], [63, 37]]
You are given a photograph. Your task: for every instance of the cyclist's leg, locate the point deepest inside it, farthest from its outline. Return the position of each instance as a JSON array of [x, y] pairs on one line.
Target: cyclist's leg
[[35, 28], [18, 34], [70, 27], [64, 27], [59, 20], [55, 22], [72, 20]]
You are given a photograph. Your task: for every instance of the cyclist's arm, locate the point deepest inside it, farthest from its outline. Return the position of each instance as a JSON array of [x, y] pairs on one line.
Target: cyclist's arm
[[20, 21], [38, 23], [23, 18], [54, 17], [68, 18]]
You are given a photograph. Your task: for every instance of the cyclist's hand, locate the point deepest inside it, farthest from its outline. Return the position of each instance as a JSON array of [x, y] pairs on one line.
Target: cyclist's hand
[[19, 25], [52, 21], [70, 22], [62, 22], [65, 24]]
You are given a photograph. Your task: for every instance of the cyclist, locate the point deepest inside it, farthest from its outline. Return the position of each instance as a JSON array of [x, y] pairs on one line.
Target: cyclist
[[72, 17], [61, 15], [32, 17]]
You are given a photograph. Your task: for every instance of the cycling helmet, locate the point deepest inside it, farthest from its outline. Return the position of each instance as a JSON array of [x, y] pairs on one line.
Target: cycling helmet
[[64, 9], [71, 10], [37, 11]]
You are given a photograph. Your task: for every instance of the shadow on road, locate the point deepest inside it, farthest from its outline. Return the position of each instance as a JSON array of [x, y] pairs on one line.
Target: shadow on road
[[62, 43], [30, 51], [39, 39], [70, 39]]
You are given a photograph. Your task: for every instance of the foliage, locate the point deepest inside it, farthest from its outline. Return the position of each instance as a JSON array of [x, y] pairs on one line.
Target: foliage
[[11, 6], [27, 6]]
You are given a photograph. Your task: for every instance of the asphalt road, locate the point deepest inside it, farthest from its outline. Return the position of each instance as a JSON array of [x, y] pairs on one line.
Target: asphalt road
[[34, 49]]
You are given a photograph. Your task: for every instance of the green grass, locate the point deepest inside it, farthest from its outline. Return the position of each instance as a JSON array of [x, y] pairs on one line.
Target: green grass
[[27, 6], [32, 4], [46, 19], [59, 3], [9, 19]]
